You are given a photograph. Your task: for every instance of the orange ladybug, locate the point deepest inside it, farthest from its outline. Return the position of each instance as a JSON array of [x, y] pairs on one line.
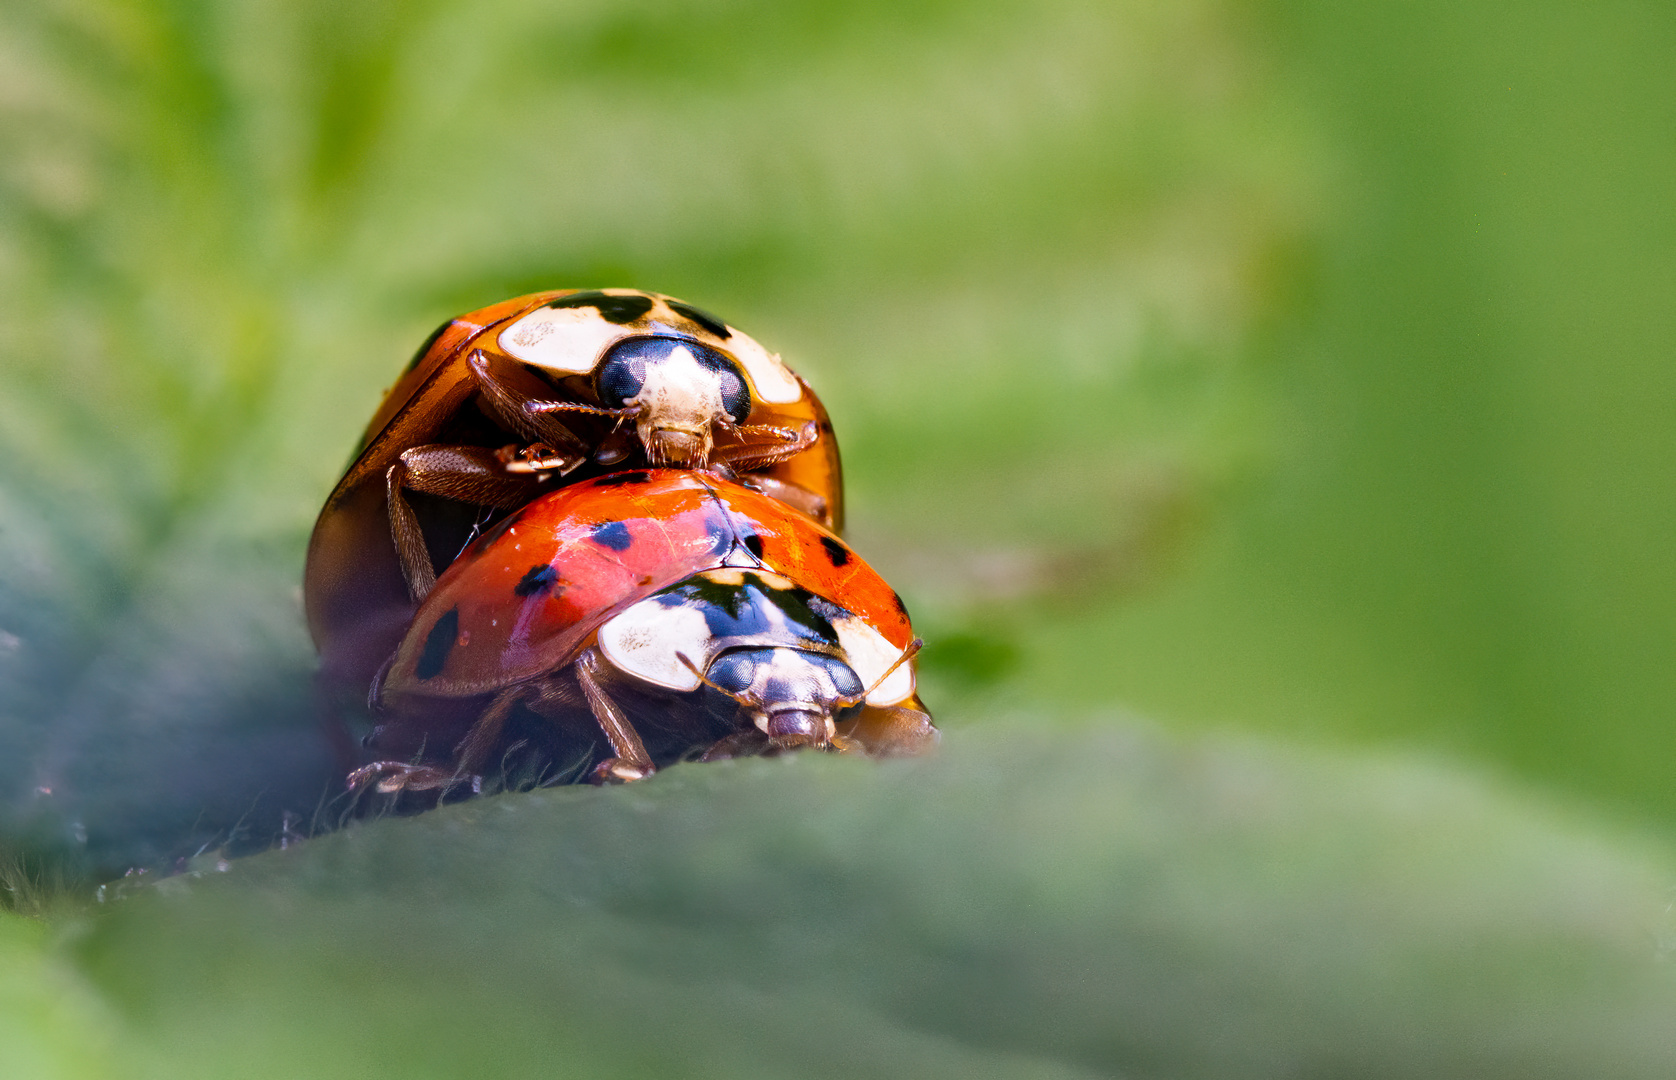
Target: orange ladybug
[[504, 403], [626, 622]]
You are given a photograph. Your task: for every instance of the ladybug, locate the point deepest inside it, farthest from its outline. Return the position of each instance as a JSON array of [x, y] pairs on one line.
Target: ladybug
[[501, 402], [640, 618]]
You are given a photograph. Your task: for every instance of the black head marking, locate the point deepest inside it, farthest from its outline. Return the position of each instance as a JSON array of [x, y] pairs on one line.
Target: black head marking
[[612, 534], [728, 610], [838, 553], [426, 347], [639, 476], [749, 608], [438, 644], [702, 318], [826, 609], [541, 578], [616, 309]]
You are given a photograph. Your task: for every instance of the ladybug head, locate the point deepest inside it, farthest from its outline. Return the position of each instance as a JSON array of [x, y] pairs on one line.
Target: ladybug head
[[792, 695], [678, 389]]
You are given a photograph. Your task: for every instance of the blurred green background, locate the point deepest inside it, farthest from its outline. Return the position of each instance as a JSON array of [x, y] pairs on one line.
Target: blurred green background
[[1265, 409]]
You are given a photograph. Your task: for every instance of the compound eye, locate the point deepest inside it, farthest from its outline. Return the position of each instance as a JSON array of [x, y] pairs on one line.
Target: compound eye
[[844, 678], [736, 670], [622, 373], [736, 397]]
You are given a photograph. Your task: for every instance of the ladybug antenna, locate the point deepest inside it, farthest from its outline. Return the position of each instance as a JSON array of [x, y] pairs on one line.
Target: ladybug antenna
[[574, 406], [913, 647], [692, 667]]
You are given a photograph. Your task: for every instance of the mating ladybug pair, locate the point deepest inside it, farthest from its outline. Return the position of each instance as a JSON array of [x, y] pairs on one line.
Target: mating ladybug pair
[[633, 508]]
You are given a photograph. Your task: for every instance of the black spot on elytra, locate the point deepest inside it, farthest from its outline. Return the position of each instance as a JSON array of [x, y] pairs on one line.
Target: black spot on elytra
[[612, 534], [900, 606], [539, 579], [640, 476], [617, 309], [426, 347], [702, 318], [838, 553], [438, 644], [753, 544]]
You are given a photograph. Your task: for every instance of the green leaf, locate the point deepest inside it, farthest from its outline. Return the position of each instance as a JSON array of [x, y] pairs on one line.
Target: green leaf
[[1114, 903], [53, 1026]]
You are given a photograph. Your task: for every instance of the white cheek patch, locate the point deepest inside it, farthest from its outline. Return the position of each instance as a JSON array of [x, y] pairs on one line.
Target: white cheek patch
[[567, 340], [869, 655], [772, 380], [643, 640]]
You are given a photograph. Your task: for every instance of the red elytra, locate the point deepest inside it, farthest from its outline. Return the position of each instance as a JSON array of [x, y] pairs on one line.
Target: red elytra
[[524, 598]]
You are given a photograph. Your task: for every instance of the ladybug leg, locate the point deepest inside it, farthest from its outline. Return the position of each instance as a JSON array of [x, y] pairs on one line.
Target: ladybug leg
[[631, 762], [390, 777], [529, 416], [739, 744], [393, 777], [473, 751], [468, 473], [894, 731], [793, 495], [762, 445]]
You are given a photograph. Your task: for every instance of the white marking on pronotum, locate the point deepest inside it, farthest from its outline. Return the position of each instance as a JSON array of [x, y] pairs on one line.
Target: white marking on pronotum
[[644, 639], [564, 340], [869, 655], [773, 381], [571, 341]]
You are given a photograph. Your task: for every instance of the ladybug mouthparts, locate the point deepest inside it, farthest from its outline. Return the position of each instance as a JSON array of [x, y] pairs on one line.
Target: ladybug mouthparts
[[798, 725], [680, 389], [669, 445]]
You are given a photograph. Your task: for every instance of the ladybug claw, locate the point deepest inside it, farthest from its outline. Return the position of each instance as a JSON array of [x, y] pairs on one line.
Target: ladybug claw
[[391, 777], [618, 771], [538, 458]]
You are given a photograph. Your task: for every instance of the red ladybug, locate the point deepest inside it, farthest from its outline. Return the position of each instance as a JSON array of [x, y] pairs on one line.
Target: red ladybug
[[500, 403], [640, 618]]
